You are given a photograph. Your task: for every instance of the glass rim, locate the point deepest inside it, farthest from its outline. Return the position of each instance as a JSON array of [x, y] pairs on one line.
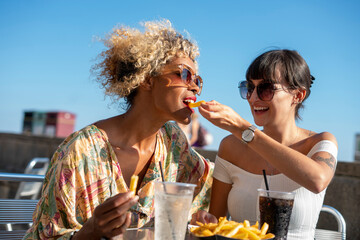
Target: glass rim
[[271, 191], [176, 183]]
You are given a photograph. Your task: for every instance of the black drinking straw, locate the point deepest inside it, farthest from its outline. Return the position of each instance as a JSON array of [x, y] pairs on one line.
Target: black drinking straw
[[266, 182]]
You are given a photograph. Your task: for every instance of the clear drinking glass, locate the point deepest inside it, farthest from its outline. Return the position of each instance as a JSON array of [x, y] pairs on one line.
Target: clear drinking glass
[[172, 206]]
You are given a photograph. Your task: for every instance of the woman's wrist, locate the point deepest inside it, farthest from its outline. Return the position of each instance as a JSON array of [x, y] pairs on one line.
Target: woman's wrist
[[240, 127]]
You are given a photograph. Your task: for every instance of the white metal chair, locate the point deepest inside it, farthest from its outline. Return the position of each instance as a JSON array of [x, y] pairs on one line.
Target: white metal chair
[[17, 212], [31, 190], [13, 212], [322, 234]]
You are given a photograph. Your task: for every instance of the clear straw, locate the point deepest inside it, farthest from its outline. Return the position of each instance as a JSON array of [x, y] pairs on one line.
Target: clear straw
[[161, 172], [170, 222]]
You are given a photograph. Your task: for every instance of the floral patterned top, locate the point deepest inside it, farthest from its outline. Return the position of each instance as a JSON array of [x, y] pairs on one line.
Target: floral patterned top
[[84, 172]]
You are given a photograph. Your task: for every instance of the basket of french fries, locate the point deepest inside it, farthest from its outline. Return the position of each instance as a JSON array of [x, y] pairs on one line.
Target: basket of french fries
[[225, 230]]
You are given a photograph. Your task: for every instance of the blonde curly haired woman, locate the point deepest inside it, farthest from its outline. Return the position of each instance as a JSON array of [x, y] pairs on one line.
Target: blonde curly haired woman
[[85, 193]]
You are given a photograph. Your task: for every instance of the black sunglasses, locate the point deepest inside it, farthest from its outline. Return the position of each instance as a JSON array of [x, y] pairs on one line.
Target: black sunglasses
[[265, 90]]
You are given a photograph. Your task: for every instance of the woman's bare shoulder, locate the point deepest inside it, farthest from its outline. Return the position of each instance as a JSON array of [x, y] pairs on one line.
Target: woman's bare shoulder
[[317, 137], [231, 148]]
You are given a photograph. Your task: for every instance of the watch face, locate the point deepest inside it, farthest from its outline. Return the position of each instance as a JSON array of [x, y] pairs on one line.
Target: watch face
[[247, 135]]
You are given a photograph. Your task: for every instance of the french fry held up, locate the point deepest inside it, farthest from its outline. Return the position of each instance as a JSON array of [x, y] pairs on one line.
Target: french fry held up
[[133, 183], [196, 104], [232, 229]]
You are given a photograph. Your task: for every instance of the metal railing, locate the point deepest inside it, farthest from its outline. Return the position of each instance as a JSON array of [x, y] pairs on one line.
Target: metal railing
[[21, 177]]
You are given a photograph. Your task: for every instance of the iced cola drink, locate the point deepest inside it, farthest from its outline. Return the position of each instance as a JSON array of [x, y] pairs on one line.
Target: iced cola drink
[[275, 209], [172, 207]]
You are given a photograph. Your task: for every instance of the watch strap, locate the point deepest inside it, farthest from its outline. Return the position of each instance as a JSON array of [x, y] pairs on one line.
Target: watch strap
[[252, 128]]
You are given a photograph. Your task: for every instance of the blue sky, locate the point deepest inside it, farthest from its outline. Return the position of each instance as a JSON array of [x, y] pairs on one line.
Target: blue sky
[[48, 47]]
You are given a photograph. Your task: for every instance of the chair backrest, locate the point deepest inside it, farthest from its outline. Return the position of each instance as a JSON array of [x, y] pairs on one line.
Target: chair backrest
[[36, 166], [16, 212], [322, 234]]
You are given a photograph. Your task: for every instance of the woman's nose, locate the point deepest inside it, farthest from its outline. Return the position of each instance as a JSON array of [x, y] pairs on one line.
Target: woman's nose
[[193, 87], [254, 96]]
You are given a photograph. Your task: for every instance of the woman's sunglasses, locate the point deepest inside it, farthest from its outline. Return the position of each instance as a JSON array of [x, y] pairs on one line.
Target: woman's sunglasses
[[265, 90], [187, 77]]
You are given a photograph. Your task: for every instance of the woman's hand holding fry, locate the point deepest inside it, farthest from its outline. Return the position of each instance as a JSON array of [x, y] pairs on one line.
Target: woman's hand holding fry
[[223, 116], [202, 216], [110, 218]]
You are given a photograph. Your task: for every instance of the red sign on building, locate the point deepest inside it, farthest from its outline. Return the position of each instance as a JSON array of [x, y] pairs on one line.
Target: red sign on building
[[52, 124]]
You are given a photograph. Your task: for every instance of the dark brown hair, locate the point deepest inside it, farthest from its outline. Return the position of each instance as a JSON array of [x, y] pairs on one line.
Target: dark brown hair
[[293, 69]]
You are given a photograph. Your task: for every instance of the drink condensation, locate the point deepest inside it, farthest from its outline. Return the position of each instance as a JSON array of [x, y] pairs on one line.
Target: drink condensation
[[172, 206]]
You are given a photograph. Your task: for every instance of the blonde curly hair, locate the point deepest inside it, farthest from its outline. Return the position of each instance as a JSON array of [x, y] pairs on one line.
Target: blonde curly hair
[[132, 56]]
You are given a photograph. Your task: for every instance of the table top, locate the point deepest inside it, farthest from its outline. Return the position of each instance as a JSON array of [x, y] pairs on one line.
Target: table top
[[145, 234]]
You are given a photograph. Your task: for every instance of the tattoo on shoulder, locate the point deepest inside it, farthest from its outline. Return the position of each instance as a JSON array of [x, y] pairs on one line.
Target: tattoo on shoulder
[[330, 161]]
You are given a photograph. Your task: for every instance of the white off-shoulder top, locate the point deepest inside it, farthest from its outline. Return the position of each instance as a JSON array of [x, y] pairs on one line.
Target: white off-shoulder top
[[243, 199]]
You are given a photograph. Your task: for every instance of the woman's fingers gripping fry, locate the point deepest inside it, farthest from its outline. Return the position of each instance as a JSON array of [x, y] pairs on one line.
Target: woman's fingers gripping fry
[[121, 224], [203, 217], [221, 115], [116, 201], [114, 210]]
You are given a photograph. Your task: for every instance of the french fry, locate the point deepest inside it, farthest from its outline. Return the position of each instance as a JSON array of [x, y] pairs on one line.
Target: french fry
[[241, 236], [254, 229], [267, 236], [199, 223], [251, 234], [221, 223], [207, 233], [246, 223], [232, 229], [196, 104], [264, 229], [256, 225], [133, 183]]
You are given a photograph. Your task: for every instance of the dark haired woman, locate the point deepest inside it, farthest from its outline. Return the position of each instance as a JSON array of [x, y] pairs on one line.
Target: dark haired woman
[[295, 159]]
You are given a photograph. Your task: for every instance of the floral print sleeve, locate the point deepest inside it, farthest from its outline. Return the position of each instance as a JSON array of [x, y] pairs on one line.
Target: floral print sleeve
[[79, 178]]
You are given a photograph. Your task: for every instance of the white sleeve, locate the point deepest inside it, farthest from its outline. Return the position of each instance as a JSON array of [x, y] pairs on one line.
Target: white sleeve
[[324, 146], [221, 172]]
